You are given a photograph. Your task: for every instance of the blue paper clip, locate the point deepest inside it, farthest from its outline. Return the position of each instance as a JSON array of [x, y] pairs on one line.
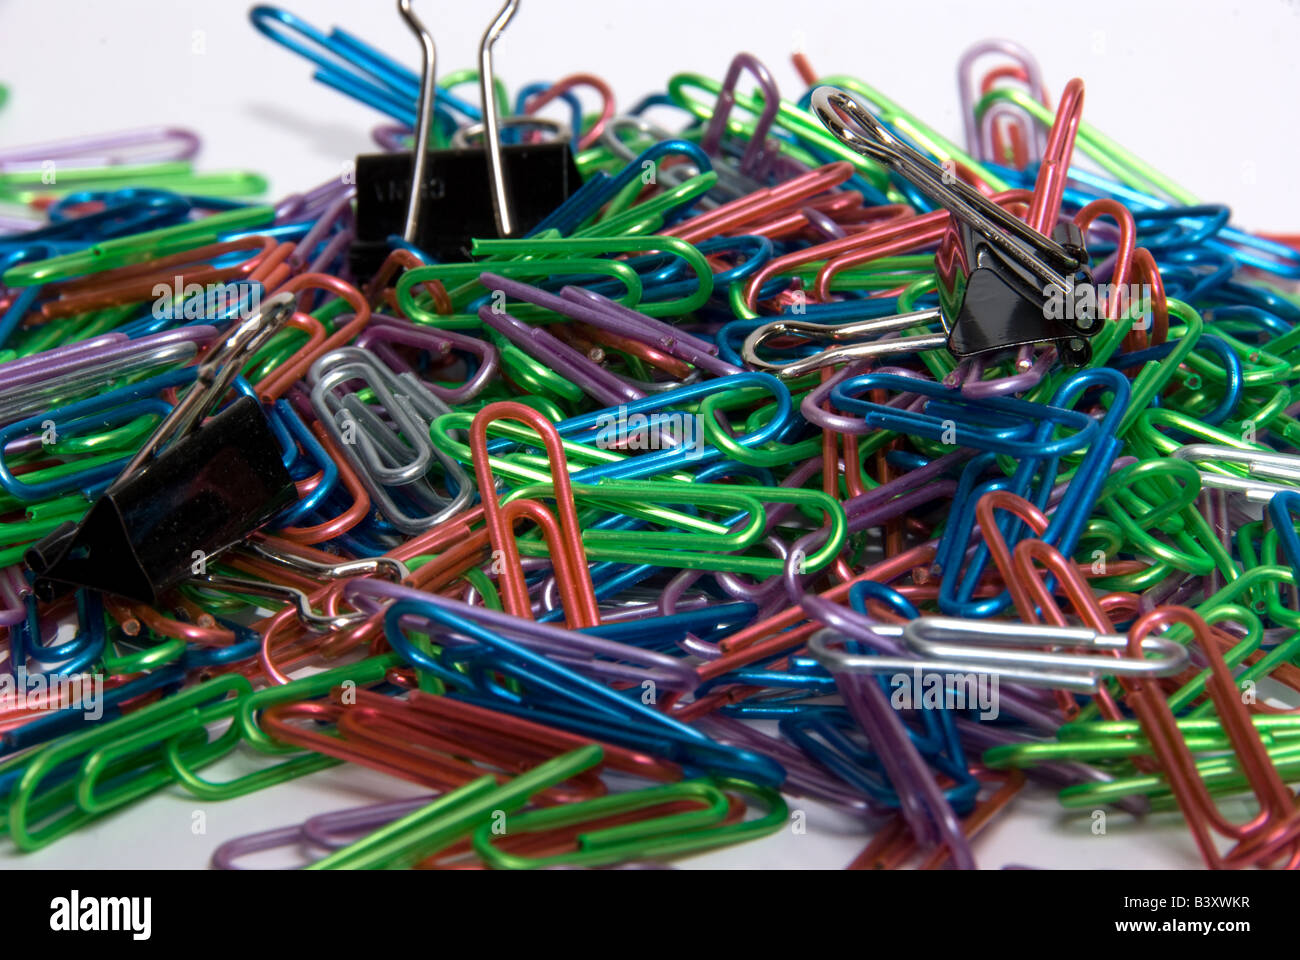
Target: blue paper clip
[[592, 707], [1284, 511], [1066, 523], [995, 424], [355, 68]]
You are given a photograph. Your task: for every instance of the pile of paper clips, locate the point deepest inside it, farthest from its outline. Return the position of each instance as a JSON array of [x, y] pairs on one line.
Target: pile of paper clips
[[618, 483]]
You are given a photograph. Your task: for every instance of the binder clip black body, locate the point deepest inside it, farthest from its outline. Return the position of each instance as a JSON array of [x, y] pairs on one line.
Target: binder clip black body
[[206, 491], [991, 303], [1001, 283], [440, 200], [456, 198]]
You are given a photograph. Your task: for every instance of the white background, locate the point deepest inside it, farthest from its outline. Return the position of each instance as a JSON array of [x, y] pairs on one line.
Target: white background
[[1206, 92]]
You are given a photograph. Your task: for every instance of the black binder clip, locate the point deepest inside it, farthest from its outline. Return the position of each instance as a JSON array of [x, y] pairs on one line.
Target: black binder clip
[[1002, 284], [441, 200], [171, 508]]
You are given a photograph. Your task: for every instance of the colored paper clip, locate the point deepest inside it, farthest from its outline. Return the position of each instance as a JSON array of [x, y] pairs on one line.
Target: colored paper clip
[[642, 839], [994, 424]]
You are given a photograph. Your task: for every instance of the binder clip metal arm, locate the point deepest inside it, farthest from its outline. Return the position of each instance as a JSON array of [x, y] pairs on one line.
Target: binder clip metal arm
[[998, 277], [440, 200]]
